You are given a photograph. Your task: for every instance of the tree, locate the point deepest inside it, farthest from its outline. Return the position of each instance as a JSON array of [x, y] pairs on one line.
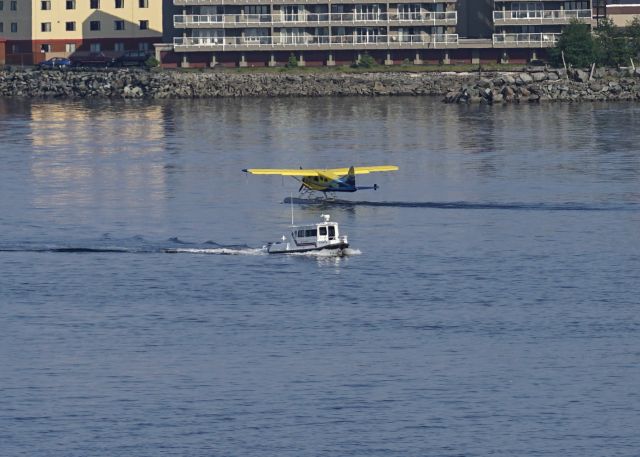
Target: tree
[[633, 31], [578, 46], [613, 44]]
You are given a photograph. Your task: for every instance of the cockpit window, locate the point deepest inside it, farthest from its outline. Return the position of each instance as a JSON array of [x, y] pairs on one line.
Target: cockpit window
[[332, 230], [323, 231]]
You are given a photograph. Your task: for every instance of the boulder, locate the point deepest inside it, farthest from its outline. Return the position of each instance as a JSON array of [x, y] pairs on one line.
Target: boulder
[[539, 76], [484, 83], [526, 78], [508, 79], [581, 76]]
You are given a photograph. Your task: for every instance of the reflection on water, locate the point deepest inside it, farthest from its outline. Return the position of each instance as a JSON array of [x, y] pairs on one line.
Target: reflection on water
[[76, 155]]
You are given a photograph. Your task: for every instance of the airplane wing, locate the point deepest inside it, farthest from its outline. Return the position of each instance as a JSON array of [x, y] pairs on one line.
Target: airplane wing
[[363, 170], [331, 172], [282, 171]]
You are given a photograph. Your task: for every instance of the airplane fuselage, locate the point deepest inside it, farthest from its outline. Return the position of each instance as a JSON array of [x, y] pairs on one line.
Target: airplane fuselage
[[323, 184]]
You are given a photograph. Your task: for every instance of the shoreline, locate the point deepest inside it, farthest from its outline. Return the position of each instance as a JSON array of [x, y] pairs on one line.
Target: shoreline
[[488, 87]]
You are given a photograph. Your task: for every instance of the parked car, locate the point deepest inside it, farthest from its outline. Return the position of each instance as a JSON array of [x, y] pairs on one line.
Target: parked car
[[94, 59], [54, 62], [131, 58]]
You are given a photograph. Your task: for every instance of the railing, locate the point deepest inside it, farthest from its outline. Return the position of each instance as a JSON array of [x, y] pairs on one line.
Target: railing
[[542, 15], [315, 18], [526, 39], [313, 40], [281, 2]]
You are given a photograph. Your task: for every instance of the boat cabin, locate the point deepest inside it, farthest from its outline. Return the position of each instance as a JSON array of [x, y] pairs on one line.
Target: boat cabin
[[311, 237], [323, 232]]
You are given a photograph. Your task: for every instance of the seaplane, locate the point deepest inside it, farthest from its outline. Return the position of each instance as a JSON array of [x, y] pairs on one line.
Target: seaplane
[[325, 180]]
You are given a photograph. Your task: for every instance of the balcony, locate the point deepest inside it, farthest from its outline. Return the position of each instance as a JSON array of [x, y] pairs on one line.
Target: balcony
[[291, 2], [311, 42], [540, 17], [525, 40], [313, 19]]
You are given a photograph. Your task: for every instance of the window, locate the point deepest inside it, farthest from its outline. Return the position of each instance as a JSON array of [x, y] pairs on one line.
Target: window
[[69, 26], [1, 5], [71, 4], [45, 27], [14, 27], [94, 26], [119, 3], [94, 4], [45, 5], [323, 230], [256, 9], [118, 25], [579, 5], [118, 46], [1, 27], [143, 3], [143, 46], [95, 47], [45, 48], [144, 25], [13, 6], [70, 48]]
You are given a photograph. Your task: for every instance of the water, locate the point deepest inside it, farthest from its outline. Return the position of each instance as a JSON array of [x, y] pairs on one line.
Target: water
[[492, 309]]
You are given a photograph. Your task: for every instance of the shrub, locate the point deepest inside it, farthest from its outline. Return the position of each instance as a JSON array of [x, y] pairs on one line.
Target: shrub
[[151, 62], [365, 61], [292, 62]]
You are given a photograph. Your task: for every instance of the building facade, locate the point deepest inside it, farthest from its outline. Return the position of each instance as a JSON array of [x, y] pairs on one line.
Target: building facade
[[268, 32], [536, 24], [33, 30], [622, 12], [329, 32]]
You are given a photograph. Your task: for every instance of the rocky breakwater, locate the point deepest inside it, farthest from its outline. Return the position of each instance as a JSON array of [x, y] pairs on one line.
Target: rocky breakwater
[[549, 85], [176, 84]]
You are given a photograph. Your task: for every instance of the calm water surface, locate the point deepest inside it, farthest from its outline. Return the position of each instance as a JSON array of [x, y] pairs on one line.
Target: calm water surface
[[493, 308]]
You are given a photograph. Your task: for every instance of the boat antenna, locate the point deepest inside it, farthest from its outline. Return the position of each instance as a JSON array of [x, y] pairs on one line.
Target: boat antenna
[[291, 201]]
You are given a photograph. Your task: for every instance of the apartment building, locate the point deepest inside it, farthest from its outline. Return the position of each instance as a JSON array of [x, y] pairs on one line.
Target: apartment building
[[330, 32], [34, 30], [536, 24], [316, 32]]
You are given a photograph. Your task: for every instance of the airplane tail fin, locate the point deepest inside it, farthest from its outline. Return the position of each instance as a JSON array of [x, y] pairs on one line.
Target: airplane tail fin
[[351, 177]]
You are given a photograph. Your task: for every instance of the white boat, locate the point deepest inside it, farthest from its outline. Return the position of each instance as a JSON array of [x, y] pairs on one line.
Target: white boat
[[324, 235]]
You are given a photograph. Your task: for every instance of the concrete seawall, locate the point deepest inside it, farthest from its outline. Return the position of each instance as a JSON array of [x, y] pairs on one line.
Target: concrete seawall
[[489, 87]]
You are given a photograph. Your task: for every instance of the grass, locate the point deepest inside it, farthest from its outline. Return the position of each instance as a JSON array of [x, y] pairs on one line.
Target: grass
[[410, 68]]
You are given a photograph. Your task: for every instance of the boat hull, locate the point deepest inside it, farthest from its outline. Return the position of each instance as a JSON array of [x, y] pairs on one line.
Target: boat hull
[[282, 248]]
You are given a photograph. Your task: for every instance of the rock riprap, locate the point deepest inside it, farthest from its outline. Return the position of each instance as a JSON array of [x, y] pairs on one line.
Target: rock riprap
[[486, 87], [549, 85]]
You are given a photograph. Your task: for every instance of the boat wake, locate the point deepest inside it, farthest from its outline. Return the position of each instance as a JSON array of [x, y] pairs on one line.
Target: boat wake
[[568, 206], [218, 251], [139, 245]]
